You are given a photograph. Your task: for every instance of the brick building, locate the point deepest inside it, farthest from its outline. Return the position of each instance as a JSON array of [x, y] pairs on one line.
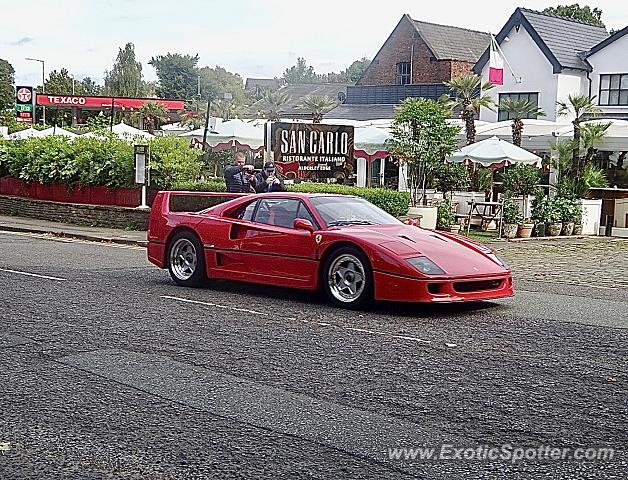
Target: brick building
[[421, 52], [414, 61]]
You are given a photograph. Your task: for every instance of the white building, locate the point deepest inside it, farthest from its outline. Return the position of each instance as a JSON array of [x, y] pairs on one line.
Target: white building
[[548, 55]]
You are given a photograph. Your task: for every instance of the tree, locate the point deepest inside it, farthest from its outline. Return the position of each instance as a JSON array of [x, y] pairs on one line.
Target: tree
[[90, 87], [576, 12], [62, 83], [301, 73], [275, 101], [421, 137], [177, 74], [125, 77], [151, 114], [193, 116], [356, 70], [467, 90], [318, 105], [579, 107], [7, 79], [518, 109], [217, 81]]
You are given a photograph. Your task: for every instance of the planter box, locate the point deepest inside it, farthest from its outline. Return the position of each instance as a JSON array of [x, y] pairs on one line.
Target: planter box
[[56, 192], [591, 216]]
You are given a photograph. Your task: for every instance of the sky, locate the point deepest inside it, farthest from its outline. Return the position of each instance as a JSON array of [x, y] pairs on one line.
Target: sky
[[255, 38]]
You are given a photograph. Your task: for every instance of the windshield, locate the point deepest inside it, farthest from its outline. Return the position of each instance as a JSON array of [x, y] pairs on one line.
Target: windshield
[[338, 211]]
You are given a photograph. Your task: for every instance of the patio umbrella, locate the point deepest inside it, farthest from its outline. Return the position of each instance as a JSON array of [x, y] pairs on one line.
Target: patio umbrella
[[123, 130], [24, 134], [57, 131], [233, 133], [370, 143], [615, 138], [494, 153]]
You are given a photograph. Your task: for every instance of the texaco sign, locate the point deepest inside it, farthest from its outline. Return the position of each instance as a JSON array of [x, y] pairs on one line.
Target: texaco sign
[[24, 104], [24, 95]]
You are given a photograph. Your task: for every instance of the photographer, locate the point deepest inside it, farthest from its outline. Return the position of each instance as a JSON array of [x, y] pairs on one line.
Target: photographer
[[267, 180], [238, 176]]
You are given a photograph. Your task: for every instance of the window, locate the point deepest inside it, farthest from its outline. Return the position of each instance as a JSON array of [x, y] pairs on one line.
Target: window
[[246, 213], [614, 89], [403, 73], [531, 97], [282, 212]]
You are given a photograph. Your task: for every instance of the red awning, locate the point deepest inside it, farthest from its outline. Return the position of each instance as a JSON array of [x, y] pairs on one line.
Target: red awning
[[67, 101]]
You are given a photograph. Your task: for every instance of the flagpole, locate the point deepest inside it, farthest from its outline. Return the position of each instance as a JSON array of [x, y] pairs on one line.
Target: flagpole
[[499, 49]]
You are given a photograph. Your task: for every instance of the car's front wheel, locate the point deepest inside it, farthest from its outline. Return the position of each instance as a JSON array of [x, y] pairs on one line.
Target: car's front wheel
[[347, 278], [186, 261]]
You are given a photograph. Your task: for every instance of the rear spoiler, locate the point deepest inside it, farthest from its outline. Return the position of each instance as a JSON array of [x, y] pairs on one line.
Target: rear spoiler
[[181, 201]]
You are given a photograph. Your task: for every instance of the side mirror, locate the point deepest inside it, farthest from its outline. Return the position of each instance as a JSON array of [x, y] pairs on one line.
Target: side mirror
[[303, 224]]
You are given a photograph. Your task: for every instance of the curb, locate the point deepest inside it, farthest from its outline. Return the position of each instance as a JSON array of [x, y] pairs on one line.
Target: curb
[[561, 237], [78, 236]]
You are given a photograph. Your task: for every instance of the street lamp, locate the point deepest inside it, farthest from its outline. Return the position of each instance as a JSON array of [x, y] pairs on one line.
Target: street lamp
[[43, 83]]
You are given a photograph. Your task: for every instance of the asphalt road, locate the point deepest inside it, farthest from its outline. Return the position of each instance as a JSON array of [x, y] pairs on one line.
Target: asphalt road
[[108, 370]]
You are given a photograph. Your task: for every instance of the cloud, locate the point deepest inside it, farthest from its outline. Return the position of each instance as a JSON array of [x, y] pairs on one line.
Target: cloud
[[21, 41]]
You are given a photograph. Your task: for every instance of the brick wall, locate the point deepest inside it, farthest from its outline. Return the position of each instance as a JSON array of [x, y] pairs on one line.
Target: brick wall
[[398, 49], [79, 214]]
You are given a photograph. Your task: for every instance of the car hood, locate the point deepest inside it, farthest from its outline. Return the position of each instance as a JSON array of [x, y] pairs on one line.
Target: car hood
[[455, 257]]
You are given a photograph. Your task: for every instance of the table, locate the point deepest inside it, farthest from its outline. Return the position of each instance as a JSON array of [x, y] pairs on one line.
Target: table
[[487, 211]]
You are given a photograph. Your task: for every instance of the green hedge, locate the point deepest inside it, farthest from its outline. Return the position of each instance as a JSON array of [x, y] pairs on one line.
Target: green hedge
[[95, 161], [391, 201]]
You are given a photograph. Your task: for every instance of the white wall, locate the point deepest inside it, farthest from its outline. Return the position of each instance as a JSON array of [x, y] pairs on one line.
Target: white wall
[[533, 69], [611, 59], [570, 82]]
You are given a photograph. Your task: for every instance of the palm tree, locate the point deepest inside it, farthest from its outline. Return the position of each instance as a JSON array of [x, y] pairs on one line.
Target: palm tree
[[518, 109], [467, 92], [275, 101], [151, 113], [579, 107], [317, 105], [591, 134], [193, 116]]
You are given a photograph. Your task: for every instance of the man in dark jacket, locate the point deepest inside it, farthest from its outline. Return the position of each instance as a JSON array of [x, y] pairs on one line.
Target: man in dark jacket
[[238, 175], [267, 180]]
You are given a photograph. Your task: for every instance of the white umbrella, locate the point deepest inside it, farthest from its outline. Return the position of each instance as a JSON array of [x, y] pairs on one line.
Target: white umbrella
[[615, 137], [232, 132], [370, 139], [57, 131], [494, 152], [123, 130], [24, 134]]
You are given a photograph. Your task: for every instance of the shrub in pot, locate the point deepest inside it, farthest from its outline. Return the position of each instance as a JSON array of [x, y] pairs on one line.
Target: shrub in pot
[[553, 213], [577, 229], [539, 212], [511, 217], [525, 228], [446, 219], [568, 212]]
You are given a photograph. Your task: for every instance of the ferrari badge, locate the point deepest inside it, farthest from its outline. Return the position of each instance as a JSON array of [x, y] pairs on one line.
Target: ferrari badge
[[318, 238]]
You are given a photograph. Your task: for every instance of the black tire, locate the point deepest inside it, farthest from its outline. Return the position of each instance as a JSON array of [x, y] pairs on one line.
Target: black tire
[[348, 291], [186, 260]]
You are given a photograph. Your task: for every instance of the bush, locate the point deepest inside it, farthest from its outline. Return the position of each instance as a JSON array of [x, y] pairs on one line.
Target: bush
[[172, 161], [521, 180], [445, 216], [540, 206], [511, 213], [391, 201]]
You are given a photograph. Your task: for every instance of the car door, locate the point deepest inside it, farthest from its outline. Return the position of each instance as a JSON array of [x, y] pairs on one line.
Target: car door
[[275, 251]]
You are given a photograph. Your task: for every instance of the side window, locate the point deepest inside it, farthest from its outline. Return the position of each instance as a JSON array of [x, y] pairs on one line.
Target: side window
[[280, 212], [247, 212], [305, 214]]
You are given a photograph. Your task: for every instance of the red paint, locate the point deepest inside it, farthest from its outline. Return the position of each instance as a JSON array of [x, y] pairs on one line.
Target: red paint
[[92, 195], [258, 253], [67, 101]]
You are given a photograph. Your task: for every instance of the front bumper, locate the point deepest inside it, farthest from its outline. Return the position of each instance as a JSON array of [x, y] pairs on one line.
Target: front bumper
[[442, 290]]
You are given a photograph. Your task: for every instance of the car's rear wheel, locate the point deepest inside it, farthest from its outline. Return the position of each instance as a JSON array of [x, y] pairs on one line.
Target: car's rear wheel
[[186, 261], [348, 278]]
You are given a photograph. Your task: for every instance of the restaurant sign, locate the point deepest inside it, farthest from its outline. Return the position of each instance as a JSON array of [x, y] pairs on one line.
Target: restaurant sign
[[314, 147]]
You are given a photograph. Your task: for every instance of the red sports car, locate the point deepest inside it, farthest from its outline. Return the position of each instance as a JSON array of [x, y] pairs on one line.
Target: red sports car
[[345, 245]]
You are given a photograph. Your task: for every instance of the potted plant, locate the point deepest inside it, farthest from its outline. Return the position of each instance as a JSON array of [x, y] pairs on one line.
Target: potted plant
[[446, 220], [577, 228], [511, 217], [525, 228], [554, 216], [539, 213], [568, 212]]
